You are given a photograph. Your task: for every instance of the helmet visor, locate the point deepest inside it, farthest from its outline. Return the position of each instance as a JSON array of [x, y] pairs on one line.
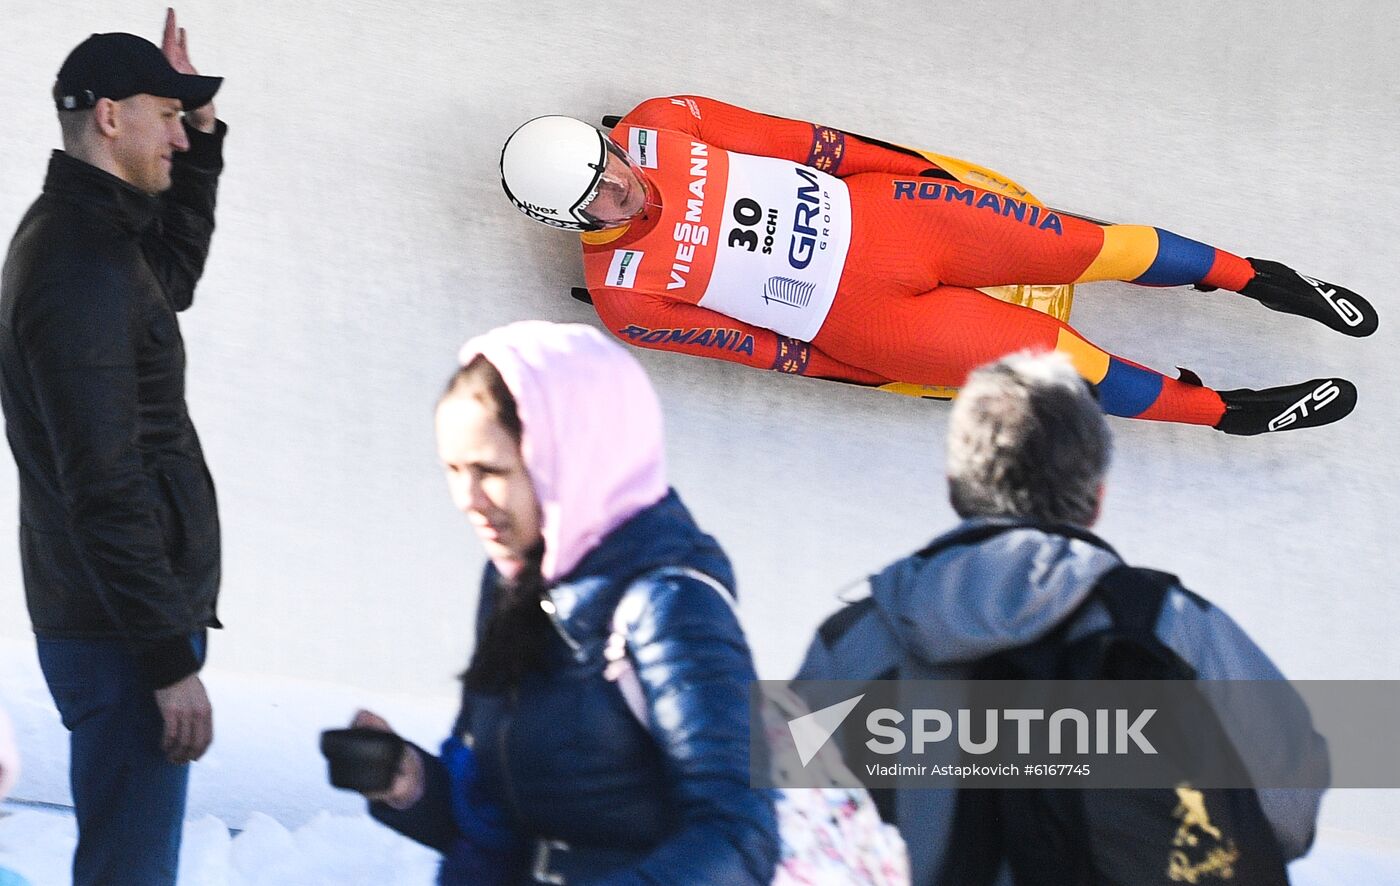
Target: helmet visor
[[620, 192]]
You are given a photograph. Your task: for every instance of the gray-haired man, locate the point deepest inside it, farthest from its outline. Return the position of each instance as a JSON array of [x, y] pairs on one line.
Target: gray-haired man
[[1028, 451]]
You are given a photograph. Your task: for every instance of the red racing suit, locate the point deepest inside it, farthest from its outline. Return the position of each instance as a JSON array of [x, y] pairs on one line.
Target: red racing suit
[[800, 248]]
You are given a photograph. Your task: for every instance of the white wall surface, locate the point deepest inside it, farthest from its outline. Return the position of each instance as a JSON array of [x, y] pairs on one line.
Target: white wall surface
[[363, 235]]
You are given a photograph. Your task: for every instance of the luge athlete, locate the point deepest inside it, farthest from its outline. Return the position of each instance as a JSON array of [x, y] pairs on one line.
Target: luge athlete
[[720, 232]]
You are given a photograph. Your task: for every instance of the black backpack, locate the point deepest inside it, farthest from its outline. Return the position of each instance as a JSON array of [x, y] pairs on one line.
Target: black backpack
[[1126, 837], [1078, 837]]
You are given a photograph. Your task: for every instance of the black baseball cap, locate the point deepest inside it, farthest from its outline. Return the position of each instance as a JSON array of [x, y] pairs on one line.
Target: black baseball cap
[[118, 66]]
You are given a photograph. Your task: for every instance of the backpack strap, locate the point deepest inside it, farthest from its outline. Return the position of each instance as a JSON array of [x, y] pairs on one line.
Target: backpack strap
[[619, 668], [840, 622], [1134, 596]]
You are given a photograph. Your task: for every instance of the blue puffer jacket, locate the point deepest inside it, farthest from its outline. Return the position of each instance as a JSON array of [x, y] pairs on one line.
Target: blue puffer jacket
[[562, 758]]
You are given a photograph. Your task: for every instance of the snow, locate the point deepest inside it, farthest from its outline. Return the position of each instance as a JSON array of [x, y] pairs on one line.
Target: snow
[[342, 850], [264, 775], [329, 850]]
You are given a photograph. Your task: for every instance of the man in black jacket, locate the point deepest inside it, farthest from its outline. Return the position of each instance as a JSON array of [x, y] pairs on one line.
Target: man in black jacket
[[119, 532]]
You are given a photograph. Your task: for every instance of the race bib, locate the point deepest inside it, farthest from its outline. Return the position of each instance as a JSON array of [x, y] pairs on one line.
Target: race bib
[[781, 247]]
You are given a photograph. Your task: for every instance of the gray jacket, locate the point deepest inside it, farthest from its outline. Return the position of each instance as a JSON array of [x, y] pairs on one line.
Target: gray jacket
[[937, 615]]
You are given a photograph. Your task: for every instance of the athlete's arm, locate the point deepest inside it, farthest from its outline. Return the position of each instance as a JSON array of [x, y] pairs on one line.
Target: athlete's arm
[[831, 150], [663, 324]]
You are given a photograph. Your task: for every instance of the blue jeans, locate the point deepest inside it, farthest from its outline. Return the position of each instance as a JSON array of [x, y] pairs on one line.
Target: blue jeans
[[128, 798]]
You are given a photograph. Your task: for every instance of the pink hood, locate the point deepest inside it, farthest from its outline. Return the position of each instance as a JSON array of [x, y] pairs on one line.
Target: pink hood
[[592, 439]]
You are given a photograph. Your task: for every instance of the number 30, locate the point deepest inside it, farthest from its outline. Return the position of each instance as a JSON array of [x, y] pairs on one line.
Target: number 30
[[747, 212]]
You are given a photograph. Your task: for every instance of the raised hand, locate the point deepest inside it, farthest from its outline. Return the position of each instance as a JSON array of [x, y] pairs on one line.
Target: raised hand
[[175, 44]]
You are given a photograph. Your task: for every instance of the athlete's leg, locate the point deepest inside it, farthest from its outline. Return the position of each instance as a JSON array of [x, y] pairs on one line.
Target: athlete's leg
[[961, 235], [922, 233], [1154, 257], [918, 235], [938, 337]]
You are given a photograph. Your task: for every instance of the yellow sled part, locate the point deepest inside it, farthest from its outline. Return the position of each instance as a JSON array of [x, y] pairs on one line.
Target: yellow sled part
[[981, 176], [1053, 299], [928, 392]]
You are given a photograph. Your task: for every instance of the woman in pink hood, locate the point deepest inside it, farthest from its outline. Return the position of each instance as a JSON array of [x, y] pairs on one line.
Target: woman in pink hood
[[552, 440]]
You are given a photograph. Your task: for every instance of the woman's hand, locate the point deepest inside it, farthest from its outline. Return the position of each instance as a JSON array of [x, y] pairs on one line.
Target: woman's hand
[[407, 787]]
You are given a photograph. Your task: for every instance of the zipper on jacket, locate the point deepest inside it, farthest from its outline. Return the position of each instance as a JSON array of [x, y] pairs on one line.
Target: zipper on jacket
[[550, 609], [502, 733]]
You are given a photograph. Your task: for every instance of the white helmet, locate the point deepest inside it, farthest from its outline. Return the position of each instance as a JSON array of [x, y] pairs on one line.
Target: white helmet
[[551, 167]]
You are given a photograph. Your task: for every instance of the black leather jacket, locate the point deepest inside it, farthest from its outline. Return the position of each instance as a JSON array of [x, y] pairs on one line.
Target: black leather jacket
[[119, 532]]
